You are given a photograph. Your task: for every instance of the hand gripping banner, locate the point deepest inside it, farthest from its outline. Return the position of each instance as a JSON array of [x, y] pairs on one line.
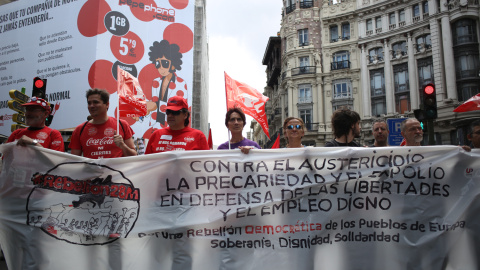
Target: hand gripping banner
[[311, 208]]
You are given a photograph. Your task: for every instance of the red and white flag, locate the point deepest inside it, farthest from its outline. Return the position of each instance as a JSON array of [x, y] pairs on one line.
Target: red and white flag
[[248, 99], [276, 144], [210, 141], [132, 102], [473, 104]]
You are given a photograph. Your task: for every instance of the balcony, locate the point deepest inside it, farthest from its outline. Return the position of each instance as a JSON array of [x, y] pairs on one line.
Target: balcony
[[402, 24], [369, 32], [378, 30], [464, 74], [306, 4], [340, 65], [305, 100], [289, 9], [392, 26], [464, 39], [342, 95], [416, 19], [304, 70]]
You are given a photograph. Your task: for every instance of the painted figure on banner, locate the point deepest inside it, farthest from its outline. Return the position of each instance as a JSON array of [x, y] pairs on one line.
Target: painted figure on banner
[[164, 82], [37, 134], [235, 122]]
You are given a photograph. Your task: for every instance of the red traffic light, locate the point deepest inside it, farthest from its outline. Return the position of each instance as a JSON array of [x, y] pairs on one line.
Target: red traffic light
[[38, 83], [429, 89]]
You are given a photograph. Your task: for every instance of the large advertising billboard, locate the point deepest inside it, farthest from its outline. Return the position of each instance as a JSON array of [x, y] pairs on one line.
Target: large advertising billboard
[[77, 45]]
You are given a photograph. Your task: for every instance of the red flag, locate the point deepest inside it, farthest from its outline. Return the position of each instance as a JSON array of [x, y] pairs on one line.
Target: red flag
[[473, 104], [276, 144], [210, 141], [248, 99], [132, 102]]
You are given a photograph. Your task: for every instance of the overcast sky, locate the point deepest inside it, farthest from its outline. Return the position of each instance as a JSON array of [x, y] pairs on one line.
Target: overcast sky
[[238, 34]]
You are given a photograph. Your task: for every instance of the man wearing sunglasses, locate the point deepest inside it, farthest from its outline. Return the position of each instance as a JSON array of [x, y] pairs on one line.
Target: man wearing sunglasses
[[167, 59], [178, 136], [38, 134]]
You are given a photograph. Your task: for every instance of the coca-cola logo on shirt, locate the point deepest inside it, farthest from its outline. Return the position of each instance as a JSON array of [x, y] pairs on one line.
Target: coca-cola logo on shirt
[[189, 139], [109, 132], [100, 142], [92, 131], [42, 135]]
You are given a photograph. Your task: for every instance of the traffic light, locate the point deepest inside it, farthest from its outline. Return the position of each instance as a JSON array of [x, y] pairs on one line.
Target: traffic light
[[430, 101], [39, 88]]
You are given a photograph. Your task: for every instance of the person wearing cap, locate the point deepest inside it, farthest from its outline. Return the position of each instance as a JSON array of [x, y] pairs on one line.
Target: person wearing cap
[[178, 135], [38, 134], [98, 138]]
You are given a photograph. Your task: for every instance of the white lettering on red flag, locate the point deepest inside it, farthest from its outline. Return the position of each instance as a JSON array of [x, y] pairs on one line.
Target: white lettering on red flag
[[248, 99], [132, 102]]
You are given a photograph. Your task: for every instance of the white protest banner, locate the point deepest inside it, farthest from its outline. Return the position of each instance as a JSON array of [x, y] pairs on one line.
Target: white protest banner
[[311, 208], [78, 44]]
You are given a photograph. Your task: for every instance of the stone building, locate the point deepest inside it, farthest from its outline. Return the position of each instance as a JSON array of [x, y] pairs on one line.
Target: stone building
[[374, 57]]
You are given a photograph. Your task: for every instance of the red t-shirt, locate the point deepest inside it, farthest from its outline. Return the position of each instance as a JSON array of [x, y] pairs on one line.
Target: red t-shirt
[[47, 137], [96, 140], [165, 139]]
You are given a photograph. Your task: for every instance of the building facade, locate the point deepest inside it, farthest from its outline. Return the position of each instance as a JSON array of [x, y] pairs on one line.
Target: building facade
[[375, 57]]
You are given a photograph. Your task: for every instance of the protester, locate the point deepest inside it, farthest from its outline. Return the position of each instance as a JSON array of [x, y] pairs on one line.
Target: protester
[[412, 132], [235, 121], [178, 135], [380, 133], [293, 131], [38, 134], [474, 135], [97, 137], [346, 127]]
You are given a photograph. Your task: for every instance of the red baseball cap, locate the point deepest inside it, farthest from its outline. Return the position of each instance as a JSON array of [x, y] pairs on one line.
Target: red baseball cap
[[36, 101], [177, 103]]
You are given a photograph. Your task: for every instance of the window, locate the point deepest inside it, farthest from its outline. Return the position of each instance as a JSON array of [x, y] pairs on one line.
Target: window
[[391, 18], [342, 89], [375, 55], [304, 93], [377, 88], [290, 6], [345, 31], [467, 90], [303, 37], [333, 33], [416, 10], [424, 42], [369, 26], [464, 31], [425, 7], [304, 61], [466, 65], [378, 22], [306, 3], [340, 60], [425, 72], [306, 116], [402, 92], [399, 49], [401, 16]]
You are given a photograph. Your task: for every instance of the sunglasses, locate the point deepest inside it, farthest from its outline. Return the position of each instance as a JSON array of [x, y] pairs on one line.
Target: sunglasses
[[173, 112], [165, 63], [294, 126]]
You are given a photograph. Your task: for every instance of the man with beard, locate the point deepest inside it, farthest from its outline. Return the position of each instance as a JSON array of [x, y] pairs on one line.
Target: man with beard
[[412, 132], [346, 127], [37, 134], [380, 133]]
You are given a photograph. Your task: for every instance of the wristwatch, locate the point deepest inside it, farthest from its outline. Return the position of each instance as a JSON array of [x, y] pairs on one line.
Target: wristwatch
[[34, 142]]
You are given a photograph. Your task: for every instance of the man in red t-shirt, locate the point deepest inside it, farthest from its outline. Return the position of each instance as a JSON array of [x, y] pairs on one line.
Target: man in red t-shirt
[[37, 133], [177, 136], [97, 137]]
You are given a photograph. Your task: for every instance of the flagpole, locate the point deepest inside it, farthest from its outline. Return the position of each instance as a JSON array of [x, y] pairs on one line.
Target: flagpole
[[119, 73], [226, 101]]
